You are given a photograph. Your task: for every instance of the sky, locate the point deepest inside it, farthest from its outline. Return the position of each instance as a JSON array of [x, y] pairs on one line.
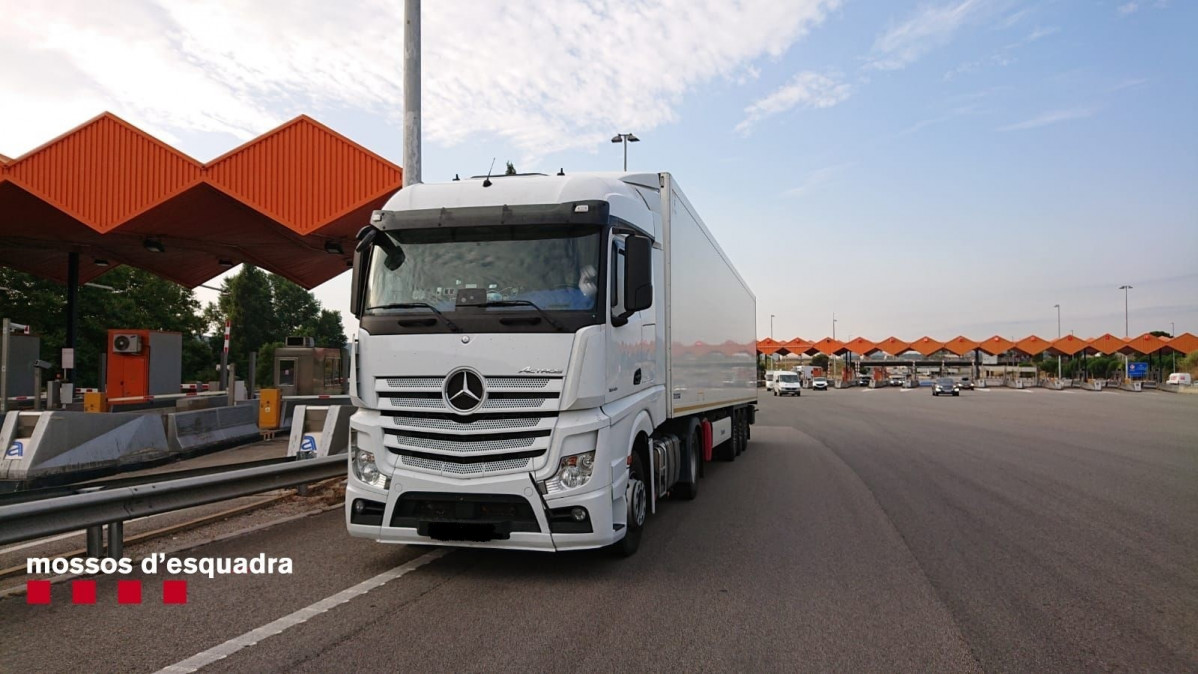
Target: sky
[[909, 168]]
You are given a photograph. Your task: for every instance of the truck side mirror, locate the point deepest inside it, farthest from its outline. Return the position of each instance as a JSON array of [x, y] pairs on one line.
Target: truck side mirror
[[638, 274], [362, 251]]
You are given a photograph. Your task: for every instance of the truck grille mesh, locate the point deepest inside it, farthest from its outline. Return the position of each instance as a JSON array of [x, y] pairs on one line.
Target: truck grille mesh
[[464, 446], [464, 468], [481, 424]]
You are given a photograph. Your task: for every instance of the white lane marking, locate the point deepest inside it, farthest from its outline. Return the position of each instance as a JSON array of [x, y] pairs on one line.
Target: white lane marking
[[301, 616]]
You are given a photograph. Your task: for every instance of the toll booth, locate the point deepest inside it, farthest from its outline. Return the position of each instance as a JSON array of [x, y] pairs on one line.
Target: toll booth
[[303, 369], [143, 362]]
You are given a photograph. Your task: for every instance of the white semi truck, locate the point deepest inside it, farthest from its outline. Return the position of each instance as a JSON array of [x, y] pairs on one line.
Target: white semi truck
[[540, 359]]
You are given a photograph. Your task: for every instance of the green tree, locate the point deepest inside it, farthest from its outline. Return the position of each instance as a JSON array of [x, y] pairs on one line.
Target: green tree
[[820, 360], [511, 170], [294, 308], [122, 298], [247, 302], [327, 330]]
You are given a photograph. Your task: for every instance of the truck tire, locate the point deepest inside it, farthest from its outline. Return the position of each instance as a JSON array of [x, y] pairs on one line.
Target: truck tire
[[637, 496], [738, 431], [692, 445]]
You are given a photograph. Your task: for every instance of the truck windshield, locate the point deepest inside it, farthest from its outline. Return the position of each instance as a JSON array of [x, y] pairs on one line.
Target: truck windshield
[[553, 267]]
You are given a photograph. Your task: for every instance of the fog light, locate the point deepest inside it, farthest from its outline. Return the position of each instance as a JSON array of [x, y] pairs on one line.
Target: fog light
[[359, 506], [579, 514]]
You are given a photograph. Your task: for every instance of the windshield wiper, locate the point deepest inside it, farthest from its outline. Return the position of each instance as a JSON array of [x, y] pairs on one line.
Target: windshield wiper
[[524, 303], [419, 305]]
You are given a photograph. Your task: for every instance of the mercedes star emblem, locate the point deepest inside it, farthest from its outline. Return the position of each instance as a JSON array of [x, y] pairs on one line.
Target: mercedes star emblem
[[464, 390]]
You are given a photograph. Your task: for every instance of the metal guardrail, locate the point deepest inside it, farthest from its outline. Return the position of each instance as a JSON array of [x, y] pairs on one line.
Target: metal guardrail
[[112, 507]]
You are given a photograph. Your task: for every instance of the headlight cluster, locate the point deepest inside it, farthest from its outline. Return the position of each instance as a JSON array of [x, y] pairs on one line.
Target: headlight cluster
[[574, 471], [365, 469]]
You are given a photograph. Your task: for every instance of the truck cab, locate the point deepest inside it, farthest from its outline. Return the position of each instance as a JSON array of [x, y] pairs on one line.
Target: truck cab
[[512, 370]]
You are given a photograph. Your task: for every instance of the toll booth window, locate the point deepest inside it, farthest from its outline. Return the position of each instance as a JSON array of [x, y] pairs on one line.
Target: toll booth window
[[332, 371], [287, 372]]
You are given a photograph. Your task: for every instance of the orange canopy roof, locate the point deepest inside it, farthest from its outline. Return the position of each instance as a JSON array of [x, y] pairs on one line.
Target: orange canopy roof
[[1108, 344], [996, 345], [798, 346], [926, 346], [1032, 345], [894, 346], [1145, 344], [1071, 346], [768, 346], [280, 201], [960, 345], [1184, 343], [861, 346], [829, 346]]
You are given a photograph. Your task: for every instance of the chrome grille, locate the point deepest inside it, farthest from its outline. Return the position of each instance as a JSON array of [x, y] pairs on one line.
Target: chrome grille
[[517, 382], [415, 382], [464, 468], [480, 424], [510, 403], [465, 446], [430, 403]]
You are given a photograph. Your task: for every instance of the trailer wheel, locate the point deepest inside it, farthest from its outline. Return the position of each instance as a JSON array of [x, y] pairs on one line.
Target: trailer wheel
[[738, 431], [687, 491], [636, 495]]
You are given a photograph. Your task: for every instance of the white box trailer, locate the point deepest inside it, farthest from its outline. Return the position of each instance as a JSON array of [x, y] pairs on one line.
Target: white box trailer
[[540, 360]]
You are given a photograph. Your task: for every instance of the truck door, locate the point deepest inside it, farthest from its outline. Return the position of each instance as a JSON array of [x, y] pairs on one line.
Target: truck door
[[631, 345]]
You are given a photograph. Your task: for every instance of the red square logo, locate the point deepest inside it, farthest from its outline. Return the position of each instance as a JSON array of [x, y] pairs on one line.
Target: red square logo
[[83, 592], [128, 592], [37, 592], [174, 592]]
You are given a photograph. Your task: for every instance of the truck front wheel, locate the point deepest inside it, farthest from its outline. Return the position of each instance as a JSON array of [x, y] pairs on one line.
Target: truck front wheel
[[636, 496]]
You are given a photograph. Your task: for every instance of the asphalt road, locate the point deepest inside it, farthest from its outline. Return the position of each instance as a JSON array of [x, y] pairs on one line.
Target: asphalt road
[[863, 531]]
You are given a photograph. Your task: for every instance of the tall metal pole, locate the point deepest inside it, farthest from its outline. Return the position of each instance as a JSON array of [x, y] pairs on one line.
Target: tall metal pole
[[625, 153], [1126, 332], [411, 93], [4, 341], [72, 308], [833, 325], [771, 326], [1058, 337]]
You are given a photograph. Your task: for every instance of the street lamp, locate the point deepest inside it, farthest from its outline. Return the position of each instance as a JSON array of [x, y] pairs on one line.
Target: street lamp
[[1058, 308], [833, 325], [771, 326], [1126, 333], [625, 138]]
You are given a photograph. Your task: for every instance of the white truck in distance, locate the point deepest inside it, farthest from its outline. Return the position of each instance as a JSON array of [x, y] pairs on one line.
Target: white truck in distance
[[540, 359]]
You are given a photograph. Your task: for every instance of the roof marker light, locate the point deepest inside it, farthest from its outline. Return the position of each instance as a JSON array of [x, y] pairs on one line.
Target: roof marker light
[[582, 208]]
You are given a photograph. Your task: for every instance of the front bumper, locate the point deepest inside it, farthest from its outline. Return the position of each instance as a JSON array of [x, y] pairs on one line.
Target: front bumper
[[598, 497]]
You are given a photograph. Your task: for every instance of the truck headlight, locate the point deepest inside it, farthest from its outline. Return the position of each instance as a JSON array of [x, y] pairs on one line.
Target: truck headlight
[[574, 471], [365, 469]]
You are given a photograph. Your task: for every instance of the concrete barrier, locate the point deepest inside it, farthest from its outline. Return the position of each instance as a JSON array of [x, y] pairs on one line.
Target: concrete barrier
[[46, 444], [1093, 385], [197, 430], [291, 402], [1132, 386], [319, 430]]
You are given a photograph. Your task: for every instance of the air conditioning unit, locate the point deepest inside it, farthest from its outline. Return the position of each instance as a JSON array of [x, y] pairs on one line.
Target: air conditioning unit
[[126, 343]]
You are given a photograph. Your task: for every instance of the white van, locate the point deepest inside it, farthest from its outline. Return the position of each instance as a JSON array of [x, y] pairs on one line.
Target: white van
[[1180, 379], [787, 384], [770, 376]]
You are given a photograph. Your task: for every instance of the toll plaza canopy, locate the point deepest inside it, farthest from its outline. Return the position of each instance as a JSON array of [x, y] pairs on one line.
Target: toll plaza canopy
[[1030, 346], [289, 201]]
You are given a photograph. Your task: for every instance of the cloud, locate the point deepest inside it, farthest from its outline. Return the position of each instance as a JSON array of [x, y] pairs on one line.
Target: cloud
[[1051, 117], [816, 179], [931, 26], [1041, 32], [805, 90], [544, 76], [1128, 8]]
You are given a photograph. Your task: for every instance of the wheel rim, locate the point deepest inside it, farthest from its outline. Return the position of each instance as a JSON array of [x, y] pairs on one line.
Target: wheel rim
[[635, 493]]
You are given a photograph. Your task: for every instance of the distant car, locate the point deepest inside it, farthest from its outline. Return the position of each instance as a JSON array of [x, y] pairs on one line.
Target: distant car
[[896, 381], [966, 384], [863, 380], [787, 384], [1180, 379], [819, 384], [946, 386]]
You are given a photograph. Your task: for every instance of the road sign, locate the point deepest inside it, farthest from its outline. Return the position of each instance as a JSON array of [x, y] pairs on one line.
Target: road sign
[[1137, 369]]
